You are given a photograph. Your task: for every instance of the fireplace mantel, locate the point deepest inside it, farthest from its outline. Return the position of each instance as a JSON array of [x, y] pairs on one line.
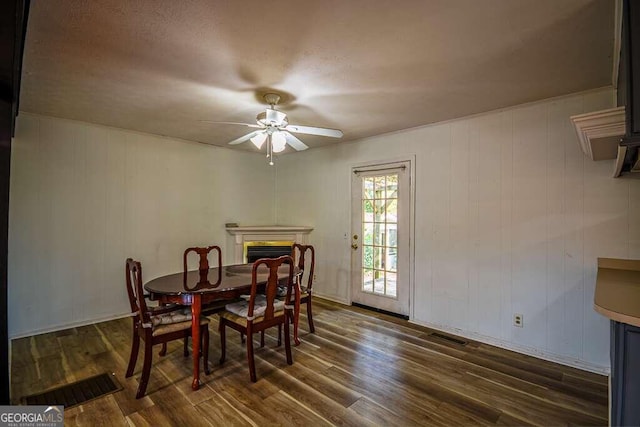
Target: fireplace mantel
[[266, 233], [269, 229]]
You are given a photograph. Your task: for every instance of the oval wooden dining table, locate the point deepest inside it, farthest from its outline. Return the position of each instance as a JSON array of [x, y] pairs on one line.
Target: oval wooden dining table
[[196, 288]]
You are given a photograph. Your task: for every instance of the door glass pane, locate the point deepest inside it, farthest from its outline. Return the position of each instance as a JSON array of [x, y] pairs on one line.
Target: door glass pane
[[380, 210], [368, 233], [367, 280], [392, 210], [379, 187], [391, 263], [392, 235], [367, 210], [380, 235], [367, 256], [378, 282], [378, 257], [367, 188], [392, 187]]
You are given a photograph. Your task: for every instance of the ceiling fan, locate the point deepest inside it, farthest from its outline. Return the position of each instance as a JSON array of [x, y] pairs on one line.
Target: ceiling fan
[[274, 128]]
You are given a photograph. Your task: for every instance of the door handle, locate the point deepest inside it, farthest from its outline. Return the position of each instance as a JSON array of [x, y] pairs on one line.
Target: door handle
[[354, 246]]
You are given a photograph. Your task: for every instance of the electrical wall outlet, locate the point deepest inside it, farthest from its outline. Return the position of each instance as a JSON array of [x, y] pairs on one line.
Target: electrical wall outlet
[[518, 320]]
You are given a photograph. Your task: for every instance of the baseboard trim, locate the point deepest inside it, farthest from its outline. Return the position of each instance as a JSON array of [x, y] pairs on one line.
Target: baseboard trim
[[332, 299], [61, 327], [379, 310], [529, 351]]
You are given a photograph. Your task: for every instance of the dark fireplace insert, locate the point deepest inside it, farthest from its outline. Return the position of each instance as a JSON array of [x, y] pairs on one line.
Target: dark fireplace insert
[[256, 252]]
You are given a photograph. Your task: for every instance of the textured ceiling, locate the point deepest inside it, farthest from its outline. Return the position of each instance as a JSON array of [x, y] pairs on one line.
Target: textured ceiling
[[366, 67]]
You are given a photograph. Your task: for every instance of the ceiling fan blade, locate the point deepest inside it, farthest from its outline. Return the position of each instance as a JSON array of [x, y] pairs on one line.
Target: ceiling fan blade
[[334, 133], [294, 141], [245, 137], [230, 123]]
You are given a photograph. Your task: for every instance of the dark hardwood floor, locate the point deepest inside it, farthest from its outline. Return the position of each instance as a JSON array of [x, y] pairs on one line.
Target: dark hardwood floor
[[359, 368]]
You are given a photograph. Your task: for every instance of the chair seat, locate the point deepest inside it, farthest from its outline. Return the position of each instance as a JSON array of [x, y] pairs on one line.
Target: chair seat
[[242, 320], [174, 327], [172, 317], [241, 308]]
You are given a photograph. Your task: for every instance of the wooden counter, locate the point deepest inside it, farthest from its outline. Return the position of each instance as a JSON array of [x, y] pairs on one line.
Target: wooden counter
[[617, 293], [617, 297]]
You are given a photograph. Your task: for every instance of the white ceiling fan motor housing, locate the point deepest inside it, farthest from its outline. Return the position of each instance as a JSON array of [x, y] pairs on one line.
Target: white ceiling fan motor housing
[[272, 117]]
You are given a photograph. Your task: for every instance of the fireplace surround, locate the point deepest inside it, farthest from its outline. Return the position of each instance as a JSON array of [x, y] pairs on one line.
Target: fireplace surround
[[266, 237]]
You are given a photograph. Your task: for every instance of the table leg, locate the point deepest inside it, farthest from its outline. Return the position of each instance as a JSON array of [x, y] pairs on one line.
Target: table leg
[[196, 309], [296, 312]]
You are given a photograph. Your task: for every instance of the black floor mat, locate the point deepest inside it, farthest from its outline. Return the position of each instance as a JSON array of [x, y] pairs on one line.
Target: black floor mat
[[75, 393]]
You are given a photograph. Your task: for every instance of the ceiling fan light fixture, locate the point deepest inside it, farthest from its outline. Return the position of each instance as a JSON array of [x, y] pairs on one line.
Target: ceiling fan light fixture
[[259, 139], [278, 142], [275, 130]]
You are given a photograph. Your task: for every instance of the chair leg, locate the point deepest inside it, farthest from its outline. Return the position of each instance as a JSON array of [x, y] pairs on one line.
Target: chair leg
[[205, 350], [223, 340], [287, 342], [241, 338], [296, 317], [252, 362], [279, 334], [312, 328], [133, 358], [261, 339], [163, 350], [146, 369], [186, 347]]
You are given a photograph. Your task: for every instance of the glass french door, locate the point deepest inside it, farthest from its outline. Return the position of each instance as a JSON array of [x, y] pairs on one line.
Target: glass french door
[[380, 237]]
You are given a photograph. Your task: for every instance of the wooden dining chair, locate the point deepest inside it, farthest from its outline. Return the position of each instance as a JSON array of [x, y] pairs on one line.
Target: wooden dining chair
[[203, 268], [157, 325], [261, 311], [306, 265], [203, 257]]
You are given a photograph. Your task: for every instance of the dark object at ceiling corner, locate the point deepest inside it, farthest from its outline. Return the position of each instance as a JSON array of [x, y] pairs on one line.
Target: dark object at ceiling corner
[[628, 93], [13, 26]]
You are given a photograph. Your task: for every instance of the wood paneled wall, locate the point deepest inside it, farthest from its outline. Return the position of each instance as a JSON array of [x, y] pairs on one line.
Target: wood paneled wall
[[510, 217], [86, 197]]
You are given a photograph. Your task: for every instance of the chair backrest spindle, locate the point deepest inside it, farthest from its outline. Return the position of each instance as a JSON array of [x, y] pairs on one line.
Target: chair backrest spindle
[[300, 251], [137, 300]]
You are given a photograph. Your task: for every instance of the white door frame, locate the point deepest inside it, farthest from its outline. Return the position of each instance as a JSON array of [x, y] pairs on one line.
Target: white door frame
[[412, 191]]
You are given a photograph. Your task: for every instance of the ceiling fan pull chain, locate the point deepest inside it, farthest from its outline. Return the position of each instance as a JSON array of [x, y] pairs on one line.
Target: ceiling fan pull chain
[[270, 151]]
